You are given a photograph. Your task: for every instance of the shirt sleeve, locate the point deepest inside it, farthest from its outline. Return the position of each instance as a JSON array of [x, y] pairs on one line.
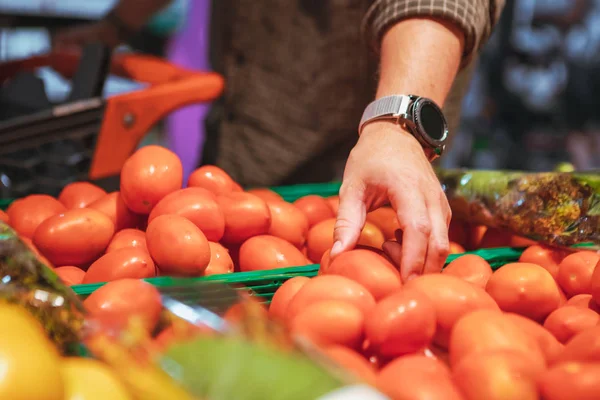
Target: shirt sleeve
[[475, 17]]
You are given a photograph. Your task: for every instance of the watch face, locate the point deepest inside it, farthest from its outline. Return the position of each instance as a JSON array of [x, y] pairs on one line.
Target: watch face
[[429, 118]]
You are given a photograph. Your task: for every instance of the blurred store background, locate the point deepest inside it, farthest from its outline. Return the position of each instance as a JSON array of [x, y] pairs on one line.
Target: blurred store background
[[534, 101]]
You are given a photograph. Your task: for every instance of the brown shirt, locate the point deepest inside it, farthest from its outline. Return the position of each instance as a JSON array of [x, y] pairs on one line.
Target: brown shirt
[[299, 74]]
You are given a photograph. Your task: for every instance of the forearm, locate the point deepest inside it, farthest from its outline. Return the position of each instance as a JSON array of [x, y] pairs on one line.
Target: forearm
[[135, 13], [420, 56]]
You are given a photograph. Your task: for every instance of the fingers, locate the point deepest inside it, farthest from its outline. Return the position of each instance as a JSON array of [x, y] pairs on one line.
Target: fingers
[[414, 220], [350, 219], [393, 250], [438, 246]]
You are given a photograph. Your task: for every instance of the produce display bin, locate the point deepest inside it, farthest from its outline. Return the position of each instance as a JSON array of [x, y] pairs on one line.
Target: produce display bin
[[89, 137], [263, 284]]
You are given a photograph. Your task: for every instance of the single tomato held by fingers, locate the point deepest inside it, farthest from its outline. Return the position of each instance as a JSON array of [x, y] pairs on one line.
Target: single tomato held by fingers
[[386, 220], [150, 174]]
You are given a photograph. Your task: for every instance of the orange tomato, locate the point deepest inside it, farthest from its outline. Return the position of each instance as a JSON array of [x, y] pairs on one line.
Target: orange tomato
[[128, 262], [566, 322], [546, 257], [549, 345], [585, 301], [583, 347], [4, 217], [266, 194], [417, 377], [595, 284], [128, 238], [330, 322], [150, 174], [264, 252], [471, 268], [525, 289], [28, 213], [220, 260], [76, 237], [452, 298], [575, 272], [368, 268], [177, 246], [330, 287], [570, 381], [113, 206], [401, 323], [488, 330], [212, 178], [246, 215], [315, 208], [70, 275], [118, 301], [498, 375], [334, 203], [458, 232], [80, 194], [456, 248], [288, 222], [196, 204], [502, 238], [320, 238], [284, 294], [386, 220], [352, 362]]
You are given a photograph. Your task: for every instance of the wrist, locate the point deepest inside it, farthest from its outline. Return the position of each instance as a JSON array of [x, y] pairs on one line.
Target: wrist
[[390, 133]]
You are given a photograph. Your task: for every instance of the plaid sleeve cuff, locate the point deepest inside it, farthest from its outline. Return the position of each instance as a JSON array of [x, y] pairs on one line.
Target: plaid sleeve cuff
[[475, 17]]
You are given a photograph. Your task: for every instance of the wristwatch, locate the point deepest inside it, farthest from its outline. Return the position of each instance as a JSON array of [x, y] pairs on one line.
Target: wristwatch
[[420, 116]]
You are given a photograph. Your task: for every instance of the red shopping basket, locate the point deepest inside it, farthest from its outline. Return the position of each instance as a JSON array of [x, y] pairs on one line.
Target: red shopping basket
[[90, 138]]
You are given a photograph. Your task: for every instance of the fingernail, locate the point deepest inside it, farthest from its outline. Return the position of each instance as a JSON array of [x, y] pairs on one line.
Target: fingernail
[[411, 277], [337, 247]]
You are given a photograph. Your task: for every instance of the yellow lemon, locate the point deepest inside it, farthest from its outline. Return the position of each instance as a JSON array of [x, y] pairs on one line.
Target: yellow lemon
[[87, 379], [29, 362]]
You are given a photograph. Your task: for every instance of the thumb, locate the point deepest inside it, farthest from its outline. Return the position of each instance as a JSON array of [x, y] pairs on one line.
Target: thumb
[[350, 219]]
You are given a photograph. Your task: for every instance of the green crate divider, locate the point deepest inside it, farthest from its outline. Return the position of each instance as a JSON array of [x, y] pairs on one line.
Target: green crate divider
[[4, 203], [294, 192]]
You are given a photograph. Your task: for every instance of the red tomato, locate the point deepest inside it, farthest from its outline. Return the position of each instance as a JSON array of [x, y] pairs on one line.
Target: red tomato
[[177, 246], [502, 238], [214, 179], [595, 284], [266, 194], [352, 362], [330, 322], [452, 298], [196, 204], [401, 323], [284, 294], [4, 217], [266, 252], [386, 220], [570, 381], [28, 213], [246, 215], [525, 289], [76, 237], [471, 268], [549, 345], [118, 302], [288, 222], [113, 206], [417, 377], [475, 235], [70, 275], [498, 375], [583, 347], [575, 272], [369, 269], [220, 260], [544, 256], [128, 262], [488, 330], [566, 322], [585, 301], [458, 232], [315, 208], [334, 203], [128, 238], [150, 174], [330, 287], [80, 194]]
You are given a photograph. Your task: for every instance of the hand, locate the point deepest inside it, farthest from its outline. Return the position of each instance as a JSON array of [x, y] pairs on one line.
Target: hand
[[389, 164], [97, 32]]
